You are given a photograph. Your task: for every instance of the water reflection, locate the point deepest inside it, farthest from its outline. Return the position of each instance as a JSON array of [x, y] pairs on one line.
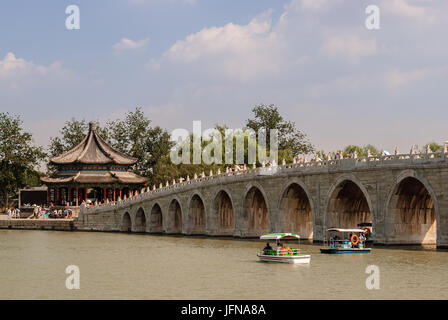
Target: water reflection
[[116, 266]]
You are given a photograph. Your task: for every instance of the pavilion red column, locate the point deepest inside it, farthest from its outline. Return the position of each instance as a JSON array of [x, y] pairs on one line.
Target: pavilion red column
[[48, 195], [121, 197], [77, 195], [115, 194], [69, 195], [104, 194], [56, 196], [85, 195]]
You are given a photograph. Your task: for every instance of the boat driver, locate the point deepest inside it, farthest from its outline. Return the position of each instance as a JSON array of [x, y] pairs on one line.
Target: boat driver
[[267, 248]]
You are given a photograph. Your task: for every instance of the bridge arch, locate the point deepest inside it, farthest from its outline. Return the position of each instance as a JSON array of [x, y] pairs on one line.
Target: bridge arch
[[126, 223], [223, 213], [140, 221], [156, 219], [196, 214], [175, 216], [256, 210], [412, 213], [296, 209], [348, 204]]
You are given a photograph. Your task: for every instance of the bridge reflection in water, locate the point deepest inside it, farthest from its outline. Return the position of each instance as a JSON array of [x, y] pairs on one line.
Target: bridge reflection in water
[[405, 197]]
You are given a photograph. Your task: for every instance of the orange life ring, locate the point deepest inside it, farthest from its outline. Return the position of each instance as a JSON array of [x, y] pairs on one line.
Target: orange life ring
[[356, 241]]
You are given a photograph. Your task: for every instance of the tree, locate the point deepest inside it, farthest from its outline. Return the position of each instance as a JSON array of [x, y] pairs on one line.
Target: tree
[[71, 133], [290, 138], [132, 135], [434, 146], [18, 157], [361, 151]]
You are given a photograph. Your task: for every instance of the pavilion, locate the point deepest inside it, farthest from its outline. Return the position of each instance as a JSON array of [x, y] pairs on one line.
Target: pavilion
[[92, 172]]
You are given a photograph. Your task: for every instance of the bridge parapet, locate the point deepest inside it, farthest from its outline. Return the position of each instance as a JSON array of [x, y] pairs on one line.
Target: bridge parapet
[[311, 167], [403, 196]]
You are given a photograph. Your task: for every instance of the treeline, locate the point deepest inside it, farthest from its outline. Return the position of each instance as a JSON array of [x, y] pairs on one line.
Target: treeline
[[152, 145], [19, 158], [364, 151], [135, 135]]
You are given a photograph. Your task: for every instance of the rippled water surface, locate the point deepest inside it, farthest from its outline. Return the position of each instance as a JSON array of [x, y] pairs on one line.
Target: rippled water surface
[[127, 266]]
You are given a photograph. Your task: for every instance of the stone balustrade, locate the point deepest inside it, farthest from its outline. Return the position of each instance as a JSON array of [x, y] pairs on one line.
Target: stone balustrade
[[404, 197]]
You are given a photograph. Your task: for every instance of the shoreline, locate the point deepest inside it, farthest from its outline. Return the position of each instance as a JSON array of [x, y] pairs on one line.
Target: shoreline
[[71, 225]]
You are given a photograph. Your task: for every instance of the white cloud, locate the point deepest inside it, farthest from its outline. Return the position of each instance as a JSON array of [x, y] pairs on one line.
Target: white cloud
[[237, 52], [314, 4], [398, 78], [12, 67], [303, 62], [349, 46], [142, 2], [408, 9], [128, 44]]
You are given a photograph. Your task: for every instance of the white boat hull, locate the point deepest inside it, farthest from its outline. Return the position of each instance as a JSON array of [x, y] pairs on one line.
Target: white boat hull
[[306, 258]]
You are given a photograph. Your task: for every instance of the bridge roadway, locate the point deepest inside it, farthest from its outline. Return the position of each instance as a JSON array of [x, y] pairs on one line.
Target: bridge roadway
[[405, 197]]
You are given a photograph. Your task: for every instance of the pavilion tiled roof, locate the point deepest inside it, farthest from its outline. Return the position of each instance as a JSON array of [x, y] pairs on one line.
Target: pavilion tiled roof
[[93, 150], [97, 177]]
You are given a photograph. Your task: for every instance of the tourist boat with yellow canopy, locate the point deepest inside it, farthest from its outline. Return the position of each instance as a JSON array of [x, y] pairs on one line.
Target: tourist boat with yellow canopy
[[280, 253], [345, 241]]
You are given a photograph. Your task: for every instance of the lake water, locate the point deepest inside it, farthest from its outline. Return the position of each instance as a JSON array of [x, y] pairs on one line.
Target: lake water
[[130, 266]]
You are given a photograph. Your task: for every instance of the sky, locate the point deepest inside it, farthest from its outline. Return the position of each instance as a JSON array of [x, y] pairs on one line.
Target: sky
[[213, 61]]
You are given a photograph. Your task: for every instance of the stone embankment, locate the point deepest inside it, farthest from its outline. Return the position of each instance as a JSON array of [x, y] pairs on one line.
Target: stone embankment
[[38, 224]]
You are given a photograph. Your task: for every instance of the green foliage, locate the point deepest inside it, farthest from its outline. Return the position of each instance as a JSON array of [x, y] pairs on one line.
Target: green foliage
[[435, 147], [18, 157], [71, 133], [265, 118], [289, 137], [361, 151], [132, 135], [349, 150], [323, 155]]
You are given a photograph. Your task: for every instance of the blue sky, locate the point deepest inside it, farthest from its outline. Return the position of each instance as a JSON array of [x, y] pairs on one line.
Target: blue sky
[[185, 60]]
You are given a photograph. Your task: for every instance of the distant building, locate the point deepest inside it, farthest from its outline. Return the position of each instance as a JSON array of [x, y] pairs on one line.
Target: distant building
[[91, 171], [31, 196]]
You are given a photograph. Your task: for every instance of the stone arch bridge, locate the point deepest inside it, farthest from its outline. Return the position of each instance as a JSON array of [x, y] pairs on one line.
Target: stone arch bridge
[[404, 197]]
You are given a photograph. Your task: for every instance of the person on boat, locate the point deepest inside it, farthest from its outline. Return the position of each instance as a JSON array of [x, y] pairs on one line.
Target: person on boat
[[362, 238], [346, 243], [333, 242], [267, 248], [280, 246]]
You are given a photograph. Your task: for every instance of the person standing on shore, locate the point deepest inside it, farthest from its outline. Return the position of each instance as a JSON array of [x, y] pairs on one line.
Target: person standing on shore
[[35, 212]]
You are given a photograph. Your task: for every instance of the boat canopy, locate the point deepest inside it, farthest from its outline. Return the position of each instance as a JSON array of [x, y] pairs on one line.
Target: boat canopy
[[278, 236], [345, 230]]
